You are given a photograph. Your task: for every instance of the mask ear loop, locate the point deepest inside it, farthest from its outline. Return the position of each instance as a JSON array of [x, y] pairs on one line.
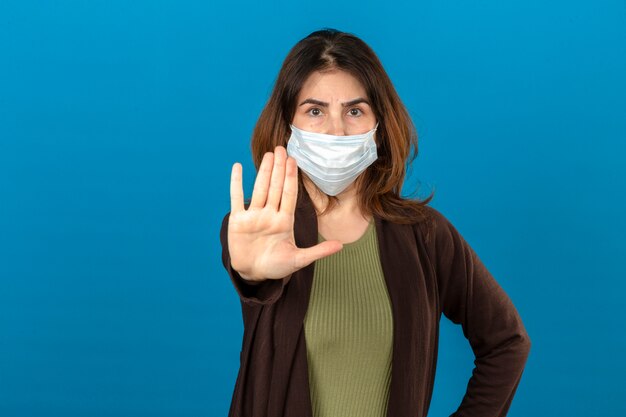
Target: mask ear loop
[[374, 136]]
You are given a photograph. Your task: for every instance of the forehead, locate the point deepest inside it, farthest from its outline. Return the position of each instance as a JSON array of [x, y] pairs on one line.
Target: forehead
[[331, 86]]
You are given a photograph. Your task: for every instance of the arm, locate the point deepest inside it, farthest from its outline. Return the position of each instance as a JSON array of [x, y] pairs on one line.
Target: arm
[[470, 296], [250, 292]]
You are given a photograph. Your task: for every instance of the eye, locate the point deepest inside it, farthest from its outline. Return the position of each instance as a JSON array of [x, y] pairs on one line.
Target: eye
[[315, 111], [355, 112]]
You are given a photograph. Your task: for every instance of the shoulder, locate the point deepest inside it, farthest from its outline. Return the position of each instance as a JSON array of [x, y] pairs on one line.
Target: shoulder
[[434, 226]]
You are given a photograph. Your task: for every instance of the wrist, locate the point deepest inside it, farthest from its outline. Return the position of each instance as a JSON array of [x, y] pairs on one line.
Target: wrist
[[249, 279]]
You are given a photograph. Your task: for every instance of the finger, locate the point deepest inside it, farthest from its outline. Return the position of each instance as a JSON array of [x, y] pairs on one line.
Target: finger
[[262, 182], [278, 178], [290, 188], [306, 256], [236, 188]]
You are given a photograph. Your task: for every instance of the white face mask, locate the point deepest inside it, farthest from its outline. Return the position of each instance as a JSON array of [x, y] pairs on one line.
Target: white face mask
[[332, 162]]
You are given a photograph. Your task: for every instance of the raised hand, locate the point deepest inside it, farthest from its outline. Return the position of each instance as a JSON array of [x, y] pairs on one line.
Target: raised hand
[[261, 240]]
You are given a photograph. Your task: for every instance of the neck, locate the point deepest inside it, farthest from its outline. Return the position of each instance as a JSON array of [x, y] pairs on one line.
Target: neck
[[348, 200]]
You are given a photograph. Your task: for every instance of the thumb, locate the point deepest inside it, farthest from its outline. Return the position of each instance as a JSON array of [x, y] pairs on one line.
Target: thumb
[[306, 256]]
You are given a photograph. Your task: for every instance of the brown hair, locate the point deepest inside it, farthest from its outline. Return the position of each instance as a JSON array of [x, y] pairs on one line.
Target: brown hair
[[380, 185]]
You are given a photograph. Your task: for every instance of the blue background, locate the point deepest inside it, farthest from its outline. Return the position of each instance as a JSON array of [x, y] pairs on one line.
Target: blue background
[[120, 121]]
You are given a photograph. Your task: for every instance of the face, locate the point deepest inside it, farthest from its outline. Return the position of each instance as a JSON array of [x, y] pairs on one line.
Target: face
[[335, 103]]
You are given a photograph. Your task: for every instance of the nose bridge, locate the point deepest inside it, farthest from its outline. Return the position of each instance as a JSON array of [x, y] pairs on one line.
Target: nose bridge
[[335, 123]]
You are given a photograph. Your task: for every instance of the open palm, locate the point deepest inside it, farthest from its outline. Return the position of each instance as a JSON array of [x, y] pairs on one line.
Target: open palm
[[261, 239]]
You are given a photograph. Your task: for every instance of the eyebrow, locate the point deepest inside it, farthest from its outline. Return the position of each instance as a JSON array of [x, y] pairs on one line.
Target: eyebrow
[[357, 100]]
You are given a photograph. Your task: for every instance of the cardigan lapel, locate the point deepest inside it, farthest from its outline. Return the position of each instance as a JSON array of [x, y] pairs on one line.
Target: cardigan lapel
[[412, 299], [290, 315]]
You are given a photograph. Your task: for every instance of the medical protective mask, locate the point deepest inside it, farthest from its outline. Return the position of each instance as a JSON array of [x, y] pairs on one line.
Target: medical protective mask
[[332, 162]]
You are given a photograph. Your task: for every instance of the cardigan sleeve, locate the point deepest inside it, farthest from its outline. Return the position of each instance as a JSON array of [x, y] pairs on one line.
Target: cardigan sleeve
[[470, 296], [264, 292]]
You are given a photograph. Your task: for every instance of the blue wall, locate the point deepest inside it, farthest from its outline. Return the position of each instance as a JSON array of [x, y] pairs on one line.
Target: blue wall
[[120, 121]]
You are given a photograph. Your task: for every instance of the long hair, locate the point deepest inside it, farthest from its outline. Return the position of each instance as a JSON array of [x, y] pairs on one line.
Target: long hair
[[379, 187]]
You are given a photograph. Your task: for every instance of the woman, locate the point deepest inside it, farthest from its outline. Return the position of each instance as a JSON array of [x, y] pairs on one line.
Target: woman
[[342, 281]]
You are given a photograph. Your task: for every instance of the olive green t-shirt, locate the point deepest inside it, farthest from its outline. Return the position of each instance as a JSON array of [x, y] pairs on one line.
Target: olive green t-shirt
[[349, 332]]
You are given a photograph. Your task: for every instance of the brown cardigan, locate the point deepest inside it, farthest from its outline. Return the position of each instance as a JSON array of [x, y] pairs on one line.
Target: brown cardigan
[[429, 269]]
